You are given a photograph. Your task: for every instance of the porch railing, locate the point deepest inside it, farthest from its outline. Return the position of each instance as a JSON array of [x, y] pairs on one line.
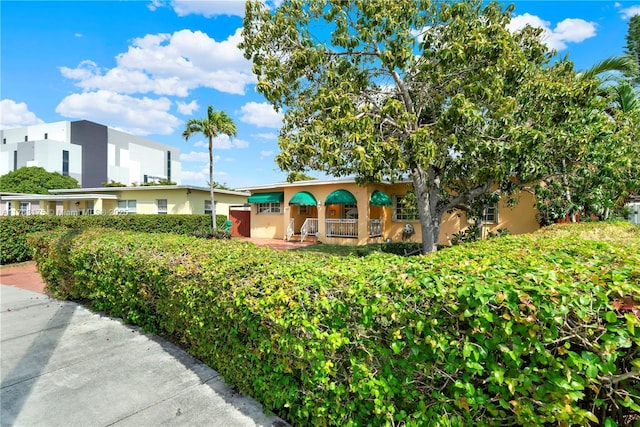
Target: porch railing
[[290, 230], [310, 226], [342, 227], [375, 228]]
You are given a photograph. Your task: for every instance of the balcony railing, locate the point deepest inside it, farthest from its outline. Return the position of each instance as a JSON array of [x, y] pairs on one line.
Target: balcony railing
[[375, 228], [342, 227]]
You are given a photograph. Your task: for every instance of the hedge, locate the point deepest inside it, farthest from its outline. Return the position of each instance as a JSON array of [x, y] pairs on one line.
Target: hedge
[[14, 229], [523, 330]]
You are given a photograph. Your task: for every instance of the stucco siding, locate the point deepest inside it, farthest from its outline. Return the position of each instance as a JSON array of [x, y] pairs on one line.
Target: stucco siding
[[517, 220]]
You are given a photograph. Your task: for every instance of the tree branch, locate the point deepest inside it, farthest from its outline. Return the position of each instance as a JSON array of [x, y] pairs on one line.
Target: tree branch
[[470, 195]]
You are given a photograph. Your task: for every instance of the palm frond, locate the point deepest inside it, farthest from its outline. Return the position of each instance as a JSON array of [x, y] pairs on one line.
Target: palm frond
[[624, 64]]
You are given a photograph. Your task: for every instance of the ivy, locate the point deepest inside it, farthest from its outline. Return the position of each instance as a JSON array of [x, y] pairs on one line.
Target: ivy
[[524, 330]]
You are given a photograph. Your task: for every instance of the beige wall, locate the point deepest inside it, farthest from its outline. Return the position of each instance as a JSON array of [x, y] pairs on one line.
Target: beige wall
[[267, 225], [179, 201], [517, 220]]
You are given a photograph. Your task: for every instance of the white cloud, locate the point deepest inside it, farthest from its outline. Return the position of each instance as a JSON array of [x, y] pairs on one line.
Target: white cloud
[[195, 156], [170, 64], [200, 176], [208, 8], [270, 136], [16, 114], [139, 116], [628, 12], [261, 114], [222, 142], [265, 153], [78, 35], [570, 30], [155, 4], [187, 109]]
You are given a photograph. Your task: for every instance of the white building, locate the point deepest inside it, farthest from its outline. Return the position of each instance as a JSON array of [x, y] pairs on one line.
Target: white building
[[89, 152]]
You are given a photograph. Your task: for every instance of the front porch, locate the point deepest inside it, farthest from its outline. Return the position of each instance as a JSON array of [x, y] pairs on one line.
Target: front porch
[[342, 220]]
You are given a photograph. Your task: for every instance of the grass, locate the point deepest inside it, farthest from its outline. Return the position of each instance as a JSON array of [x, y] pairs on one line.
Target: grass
[[335, 250], [618, 231]]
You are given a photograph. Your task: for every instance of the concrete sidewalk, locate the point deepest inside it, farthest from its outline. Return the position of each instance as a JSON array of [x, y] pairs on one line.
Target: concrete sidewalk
[[62, 365]]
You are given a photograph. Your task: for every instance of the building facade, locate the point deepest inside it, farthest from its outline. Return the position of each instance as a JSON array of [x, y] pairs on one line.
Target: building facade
[[160, 199], [339, 211], [90, 152]]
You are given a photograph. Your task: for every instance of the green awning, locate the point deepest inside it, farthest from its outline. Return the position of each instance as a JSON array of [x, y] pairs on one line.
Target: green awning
[[275, 197], [303, 198], [340, 197], [379, 198]]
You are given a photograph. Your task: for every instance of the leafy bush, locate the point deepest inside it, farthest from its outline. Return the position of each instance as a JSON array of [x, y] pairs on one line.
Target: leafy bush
[[525, 330], [401, 248], [209, 233], [14, 229]]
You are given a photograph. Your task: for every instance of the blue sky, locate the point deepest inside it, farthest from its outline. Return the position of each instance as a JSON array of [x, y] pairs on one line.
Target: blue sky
[[122, 64]]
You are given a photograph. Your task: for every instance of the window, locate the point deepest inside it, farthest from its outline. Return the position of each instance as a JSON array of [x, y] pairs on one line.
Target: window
[[9, 208], [207, 206], [126, 206], [26, 138], [65, 162], [89, 210], [264, 208], [162, 206], [46, 136], [169, 166], [15, 159], [4, 140], [349, 212], [25, 208], [304, 210], [490, 214], [404, 208]]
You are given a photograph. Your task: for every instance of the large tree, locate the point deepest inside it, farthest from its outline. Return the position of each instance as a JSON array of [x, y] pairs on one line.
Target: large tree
[[632, 47], [35, 180], [216, 123], [441, 92]]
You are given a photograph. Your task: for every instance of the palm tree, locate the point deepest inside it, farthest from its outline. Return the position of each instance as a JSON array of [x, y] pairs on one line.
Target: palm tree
[[625, 98], [216, 123], [623, 64]]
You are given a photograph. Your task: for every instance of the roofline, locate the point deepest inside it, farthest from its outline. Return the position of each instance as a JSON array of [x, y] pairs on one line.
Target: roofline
[[146, 188], [59, 197], [312, 182]]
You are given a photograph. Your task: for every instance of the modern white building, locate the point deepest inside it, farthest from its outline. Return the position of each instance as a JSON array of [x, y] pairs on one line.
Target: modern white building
[[89, 152]]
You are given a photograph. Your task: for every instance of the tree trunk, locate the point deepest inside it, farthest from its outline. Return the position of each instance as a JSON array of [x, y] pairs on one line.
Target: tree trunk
[[426, 187], [213, 204], [567, 194]]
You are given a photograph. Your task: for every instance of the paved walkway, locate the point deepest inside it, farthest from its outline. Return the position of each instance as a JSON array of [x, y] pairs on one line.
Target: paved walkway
[[62, 365]]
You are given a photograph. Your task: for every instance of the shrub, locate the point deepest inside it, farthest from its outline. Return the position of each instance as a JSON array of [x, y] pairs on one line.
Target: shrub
[[401, 248], [14, 229], [524, 330], [209, 233]]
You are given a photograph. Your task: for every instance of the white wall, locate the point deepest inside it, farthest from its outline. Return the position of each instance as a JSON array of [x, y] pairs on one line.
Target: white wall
[[129, 157], [140, 157]]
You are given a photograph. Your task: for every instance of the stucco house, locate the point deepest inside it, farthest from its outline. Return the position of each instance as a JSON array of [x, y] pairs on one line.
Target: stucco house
[[339, 211], [160, 199]]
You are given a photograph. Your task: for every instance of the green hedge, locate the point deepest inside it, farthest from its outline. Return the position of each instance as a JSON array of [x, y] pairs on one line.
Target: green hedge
[[525, 330], [14, 229]]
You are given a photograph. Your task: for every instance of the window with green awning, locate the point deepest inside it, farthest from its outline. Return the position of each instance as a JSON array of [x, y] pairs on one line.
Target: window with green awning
[[273, 197], [341, 197], [303, 198], [380, 198]]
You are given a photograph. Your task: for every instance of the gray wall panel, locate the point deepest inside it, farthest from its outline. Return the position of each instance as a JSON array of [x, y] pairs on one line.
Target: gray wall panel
[[93, 139]]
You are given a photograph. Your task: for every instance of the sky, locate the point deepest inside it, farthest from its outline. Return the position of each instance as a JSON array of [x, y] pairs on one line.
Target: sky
[[147, 66]]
